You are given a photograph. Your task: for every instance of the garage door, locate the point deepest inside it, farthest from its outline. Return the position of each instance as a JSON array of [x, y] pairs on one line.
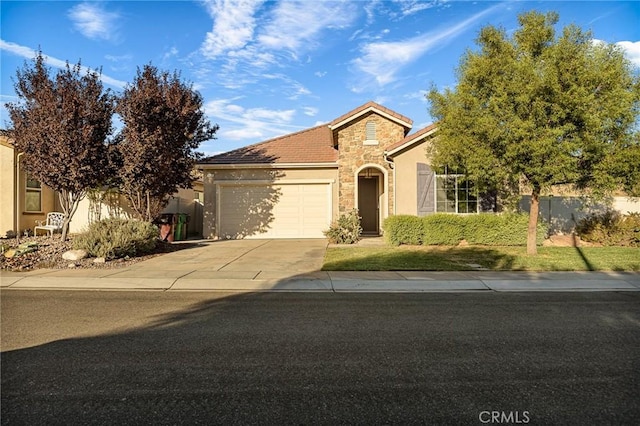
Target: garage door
[[274, 211]]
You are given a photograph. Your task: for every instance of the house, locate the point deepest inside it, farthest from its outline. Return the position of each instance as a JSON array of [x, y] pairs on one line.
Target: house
[[295, 185], [24, 200]]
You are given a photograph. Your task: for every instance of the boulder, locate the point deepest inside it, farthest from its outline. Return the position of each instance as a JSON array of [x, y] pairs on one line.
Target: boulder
[[74, 255], [99, 260]]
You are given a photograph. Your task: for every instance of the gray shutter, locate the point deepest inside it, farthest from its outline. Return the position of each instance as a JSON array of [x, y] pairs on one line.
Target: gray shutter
[[426, 190]]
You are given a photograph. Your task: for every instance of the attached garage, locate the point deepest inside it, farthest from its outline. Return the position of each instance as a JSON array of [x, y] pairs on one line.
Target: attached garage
[[292, 209]]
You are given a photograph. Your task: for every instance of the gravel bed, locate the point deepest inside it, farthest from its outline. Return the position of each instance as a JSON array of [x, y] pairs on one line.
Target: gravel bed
[[50, 250]]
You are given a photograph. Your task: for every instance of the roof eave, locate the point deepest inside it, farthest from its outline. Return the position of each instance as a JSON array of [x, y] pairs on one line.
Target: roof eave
[[341, 123], [205, 166], [410, 142]]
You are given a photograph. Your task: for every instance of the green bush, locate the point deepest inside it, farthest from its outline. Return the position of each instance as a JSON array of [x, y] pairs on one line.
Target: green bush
[[443, 229], [610, 229], [403, 229], [450, 229], [116, 238], [509, 229], [346, 230]]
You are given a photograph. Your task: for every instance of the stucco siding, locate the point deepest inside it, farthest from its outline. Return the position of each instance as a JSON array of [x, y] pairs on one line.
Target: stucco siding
[[406, 166], [7, 190]]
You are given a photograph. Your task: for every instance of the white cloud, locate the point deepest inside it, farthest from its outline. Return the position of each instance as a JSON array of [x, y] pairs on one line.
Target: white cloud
[[383, 60], [409, 7], [27, 52], [320, 74], [243, 134], [310, 111], [632, 50], [94, 22], [249, 123], [249, 38], [296, 25], [233, 25]]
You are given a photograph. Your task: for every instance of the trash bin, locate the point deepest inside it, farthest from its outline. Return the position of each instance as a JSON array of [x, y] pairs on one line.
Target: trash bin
[[180, 233]]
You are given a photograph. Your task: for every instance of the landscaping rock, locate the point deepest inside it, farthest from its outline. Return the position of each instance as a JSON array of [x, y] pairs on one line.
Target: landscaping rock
[[75, 255], [99, 260]]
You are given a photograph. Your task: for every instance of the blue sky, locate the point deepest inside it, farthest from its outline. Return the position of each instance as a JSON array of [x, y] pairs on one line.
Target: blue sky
[[267, 68]]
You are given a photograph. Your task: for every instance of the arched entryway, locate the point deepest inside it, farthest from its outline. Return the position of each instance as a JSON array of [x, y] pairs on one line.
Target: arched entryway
[[370, 197]]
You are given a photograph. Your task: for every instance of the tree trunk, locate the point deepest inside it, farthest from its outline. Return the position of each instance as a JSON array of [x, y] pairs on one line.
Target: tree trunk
[[532, 247], [69, 202]]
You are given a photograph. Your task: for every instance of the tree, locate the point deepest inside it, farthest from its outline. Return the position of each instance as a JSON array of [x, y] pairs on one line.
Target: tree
[[541, 110], [164, 123], [61, 125]]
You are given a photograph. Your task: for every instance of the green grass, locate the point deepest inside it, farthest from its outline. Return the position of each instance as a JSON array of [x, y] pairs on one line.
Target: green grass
[[431, 258]]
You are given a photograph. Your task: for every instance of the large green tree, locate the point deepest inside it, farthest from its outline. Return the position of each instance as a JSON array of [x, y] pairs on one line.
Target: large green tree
[[540, 110], [164, 124], [61, 124]]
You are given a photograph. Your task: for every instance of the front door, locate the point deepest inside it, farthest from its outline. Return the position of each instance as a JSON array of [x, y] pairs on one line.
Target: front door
[[368, 204]]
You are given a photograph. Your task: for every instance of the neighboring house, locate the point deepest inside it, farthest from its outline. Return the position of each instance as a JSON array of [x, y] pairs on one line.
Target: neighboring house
[[294, 186], [24, 200]]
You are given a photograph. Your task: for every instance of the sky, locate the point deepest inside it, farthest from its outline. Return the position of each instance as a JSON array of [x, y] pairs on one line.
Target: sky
[[268, 68]]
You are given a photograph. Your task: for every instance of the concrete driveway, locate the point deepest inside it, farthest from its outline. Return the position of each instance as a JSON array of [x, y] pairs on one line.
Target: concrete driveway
[[245, 259]]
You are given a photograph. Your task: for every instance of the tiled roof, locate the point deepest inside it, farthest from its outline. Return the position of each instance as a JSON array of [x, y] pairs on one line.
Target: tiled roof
[[374, 105], [313, 145], [414, 137]]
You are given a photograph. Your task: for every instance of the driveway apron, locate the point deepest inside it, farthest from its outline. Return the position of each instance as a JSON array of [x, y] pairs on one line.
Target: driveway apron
[[240, 259]]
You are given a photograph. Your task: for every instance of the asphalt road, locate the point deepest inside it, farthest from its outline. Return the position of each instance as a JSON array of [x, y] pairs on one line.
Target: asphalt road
[[272, 358]]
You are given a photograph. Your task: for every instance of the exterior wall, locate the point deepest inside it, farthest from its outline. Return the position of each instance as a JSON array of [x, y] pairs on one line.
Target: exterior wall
[[7, 191], [406, 167], [98, 206], [562, 213], [188, 201], [12, 196], [102, 205], [213, 177], [353, 154]]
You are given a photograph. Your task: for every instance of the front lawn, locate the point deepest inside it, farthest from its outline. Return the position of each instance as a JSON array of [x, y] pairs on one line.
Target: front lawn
[[432, 258]]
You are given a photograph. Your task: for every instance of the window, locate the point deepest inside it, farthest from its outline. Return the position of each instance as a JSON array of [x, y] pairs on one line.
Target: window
[[33, 195], [455, 194], [370, 133]]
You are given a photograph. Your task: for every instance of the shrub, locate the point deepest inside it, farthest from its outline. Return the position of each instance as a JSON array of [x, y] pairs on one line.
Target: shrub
[[403, 229], [450, 229], [116, 238], [346, 230], [509, 229], [443, 229], [611, 229]]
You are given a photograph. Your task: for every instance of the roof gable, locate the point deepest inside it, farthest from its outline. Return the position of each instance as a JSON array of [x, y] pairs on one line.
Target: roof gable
[[411, 140], [369, 107]]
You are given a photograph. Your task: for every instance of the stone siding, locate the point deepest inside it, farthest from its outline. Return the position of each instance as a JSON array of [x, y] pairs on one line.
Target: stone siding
[[353, 153]]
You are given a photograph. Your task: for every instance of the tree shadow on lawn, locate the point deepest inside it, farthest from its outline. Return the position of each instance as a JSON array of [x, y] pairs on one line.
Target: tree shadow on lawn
[[438, 258], [418, 258]]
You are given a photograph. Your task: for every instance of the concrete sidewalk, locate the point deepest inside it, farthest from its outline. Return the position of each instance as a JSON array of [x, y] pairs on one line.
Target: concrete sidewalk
[[294, 265], [318, 281]]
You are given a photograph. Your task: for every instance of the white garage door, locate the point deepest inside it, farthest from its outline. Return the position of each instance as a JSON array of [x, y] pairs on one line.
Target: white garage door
[[274, 211]]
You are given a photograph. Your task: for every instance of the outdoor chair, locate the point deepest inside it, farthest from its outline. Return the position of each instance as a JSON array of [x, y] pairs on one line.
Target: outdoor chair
[[53, 223]]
